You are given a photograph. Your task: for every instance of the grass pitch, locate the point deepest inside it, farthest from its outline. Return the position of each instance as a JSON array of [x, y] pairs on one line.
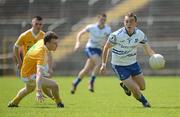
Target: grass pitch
[[108, 100]]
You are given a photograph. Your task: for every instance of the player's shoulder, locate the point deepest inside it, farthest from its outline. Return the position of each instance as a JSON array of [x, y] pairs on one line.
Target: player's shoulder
[[116, 35], [26, 32], [91, 25], [42, 32], [38, 46], [42, 48], [40, 42], [107, 27], [119, 31], [139, 31]]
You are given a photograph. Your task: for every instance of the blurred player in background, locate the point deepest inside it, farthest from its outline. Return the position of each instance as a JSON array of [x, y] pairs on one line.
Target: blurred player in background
[[124, 44], [34, 72], [26, 40], [98, 34]]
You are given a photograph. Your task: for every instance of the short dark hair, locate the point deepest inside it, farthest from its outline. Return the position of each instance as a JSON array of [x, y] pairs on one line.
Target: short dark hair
[[130, 14], [49, 35], [39, 18], [102, 14]]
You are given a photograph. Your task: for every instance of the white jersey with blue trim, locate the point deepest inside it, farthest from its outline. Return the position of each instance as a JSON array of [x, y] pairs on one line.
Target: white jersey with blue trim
[[125, 47], [97, 36]]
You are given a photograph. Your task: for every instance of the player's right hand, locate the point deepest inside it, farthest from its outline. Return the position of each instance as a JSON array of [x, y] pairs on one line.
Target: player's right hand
[[19, 65], [77, 46], [50, 71], [102, 69], [39, 96]]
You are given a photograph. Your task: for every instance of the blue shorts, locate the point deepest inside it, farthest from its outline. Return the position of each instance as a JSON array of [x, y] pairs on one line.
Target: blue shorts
[[92, 51], [124, 72]]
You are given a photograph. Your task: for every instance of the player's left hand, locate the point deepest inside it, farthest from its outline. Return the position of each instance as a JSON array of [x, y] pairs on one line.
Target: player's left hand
[[39, 96]]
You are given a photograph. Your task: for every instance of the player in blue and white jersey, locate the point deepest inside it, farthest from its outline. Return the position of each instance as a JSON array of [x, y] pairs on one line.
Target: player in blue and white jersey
[[123, 43], [98, 34]]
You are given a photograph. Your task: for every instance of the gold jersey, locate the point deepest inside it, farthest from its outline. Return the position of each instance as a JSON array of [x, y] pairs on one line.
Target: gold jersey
[[27, 39], [37, 55]]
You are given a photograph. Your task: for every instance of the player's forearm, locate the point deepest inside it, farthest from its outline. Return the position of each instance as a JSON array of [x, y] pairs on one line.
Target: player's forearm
[[79, 35], [148, 50], [16, 54], [105, 55], [78, 38], [50, 60], [38, 80]]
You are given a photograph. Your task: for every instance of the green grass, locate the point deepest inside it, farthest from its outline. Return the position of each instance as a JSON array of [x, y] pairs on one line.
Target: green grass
[[108, 100]]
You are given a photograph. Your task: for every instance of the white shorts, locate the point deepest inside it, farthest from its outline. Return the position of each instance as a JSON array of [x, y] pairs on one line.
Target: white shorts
[[30, 80], [33, 76]]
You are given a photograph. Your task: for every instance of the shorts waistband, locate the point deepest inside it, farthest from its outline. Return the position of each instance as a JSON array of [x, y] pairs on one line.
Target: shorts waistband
[[31, 77]]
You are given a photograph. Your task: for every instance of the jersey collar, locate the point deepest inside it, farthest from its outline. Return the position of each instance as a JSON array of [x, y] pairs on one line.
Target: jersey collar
[[125, 31], [34, 35], [99, 27]]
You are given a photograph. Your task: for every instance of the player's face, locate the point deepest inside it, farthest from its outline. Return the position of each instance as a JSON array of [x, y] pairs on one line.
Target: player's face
[[37, 24], [130, 23], [102, 20], [52, 45]]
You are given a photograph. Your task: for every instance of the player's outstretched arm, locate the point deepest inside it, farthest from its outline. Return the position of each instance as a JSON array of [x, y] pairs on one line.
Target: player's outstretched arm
[[77, 45], [39, 75], [17, 56], [50, 64], [105, 55], [148, 50]]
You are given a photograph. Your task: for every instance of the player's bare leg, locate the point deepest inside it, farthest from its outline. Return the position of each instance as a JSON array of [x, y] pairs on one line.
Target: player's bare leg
[[87, 68], [48, 92], [139, 79], [48, 83], [133, 86], [97, 62], [29, 87], [126, 90]]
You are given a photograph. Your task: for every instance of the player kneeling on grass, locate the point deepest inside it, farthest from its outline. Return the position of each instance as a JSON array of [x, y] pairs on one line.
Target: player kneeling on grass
[[33, 71], [124, 44]]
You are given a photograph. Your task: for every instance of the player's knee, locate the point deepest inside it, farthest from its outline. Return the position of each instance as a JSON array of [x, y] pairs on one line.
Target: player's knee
[[135, 90], [30, 89], [55, 86], [85, 71], [136, 94], [98, 63], [142, 88]]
